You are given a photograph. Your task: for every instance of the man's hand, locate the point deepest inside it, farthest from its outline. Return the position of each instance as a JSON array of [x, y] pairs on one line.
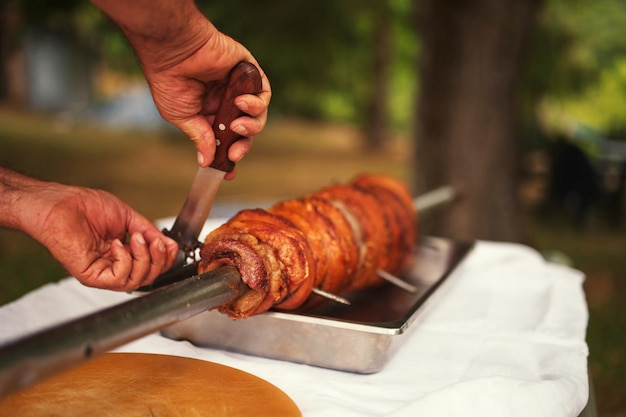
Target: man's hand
[[186, 62], [188, 94], [98, 238]]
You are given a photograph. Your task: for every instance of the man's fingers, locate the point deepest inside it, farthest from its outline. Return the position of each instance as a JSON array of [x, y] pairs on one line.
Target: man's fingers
[[132, 266], [141, 261], [251, 104], [239, 149], [159, 251], [114, 277], [247, 126], [199, 130], [159, 259]]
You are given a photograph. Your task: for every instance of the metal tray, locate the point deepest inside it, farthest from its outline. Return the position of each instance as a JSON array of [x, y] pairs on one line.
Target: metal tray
[[357, 338]]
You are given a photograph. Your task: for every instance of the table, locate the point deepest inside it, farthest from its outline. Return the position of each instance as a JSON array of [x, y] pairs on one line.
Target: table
[[506, 337]]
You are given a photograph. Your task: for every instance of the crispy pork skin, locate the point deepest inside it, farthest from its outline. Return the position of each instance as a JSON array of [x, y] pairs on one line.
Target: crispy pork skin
[[334, 239]]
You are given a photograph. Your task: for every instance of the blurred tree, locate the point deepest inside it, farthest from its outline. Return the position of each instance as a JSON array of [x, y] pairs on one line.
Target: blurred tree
[[576, 64], [326, 59], [377, 124], [558, 64], [470, 64], [603, 104], [299, 45], [392, 52], [343, 61], [6, 48], [75, 19], [77, 22]]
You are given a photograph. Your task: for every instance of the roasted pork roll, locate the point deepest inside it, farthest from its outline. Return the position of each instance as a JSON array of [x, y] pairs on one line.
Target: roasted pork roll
[[334, 239]]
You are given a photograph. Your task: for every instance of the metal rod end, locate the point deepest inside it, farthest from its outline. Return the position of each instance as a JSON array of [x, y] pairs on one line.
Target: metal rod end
[[398, 282], [333, 297]]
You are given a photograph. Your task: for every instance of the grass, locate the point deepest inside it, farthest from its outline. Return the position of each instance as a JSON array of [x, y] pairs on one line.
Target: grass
[[152, 172]]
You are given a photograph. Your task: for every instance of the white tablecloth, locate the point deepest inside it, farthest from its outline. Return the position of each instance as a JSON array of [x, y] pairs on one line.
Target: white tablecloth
[[506, 337]]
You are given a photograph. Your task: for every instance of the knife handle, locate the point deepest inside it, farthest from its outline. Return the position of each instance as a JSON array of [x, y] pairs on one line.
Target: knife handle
[[244, 78]]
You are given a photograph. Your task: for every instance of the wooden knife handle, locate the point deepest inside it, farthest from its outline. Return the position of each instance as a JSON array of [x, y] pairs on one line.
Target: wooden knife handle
[[244, 78]]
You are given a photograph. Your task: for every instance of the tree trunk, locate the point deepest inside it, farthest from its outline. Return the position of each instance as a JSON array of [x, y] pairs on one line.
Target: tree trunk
[[12, 73], [467, 115], [377, 124], [4, 52]]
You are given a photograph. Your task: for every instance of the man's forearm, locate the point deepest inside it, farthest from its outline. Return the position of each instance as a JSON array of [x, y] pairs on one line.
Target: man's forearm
[[156, 19], [12, 188], [155, 27]]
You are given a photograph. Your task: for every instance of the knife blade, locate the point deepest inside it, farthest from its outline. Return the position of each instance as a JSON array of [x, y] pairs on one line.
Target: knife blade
[[244, 78]]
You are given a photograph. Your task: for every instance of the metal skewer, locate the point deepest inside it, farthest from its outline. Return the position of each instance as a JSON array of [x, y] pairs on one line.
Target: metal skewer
[[39, 355], [398, 282], [435, 198], [424, 202], [333, 297]]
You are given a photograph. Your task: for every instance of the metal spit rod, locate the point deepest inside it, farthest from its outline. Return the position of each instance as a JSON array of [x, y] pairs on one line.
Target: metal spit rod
[[36, 356], [435, 198]]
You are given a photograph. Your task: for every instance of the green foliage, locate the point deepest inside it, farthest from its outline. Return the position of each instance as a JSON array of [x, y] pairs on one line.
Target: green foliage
[[318, 55], [267, 30], [76, 19], [51, 14], [83, 25], [311, 51], [576, 66], [404, 79], [603, 104]]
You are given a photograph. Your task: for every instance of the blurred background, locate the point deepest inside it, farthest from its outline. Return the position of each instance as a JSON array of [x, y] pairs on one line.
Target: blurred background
[[518, 104]]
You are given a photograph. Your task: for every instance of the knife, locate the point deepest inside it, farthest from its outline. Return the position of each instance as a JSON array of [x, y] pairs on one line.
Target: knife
[[244, 78]]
